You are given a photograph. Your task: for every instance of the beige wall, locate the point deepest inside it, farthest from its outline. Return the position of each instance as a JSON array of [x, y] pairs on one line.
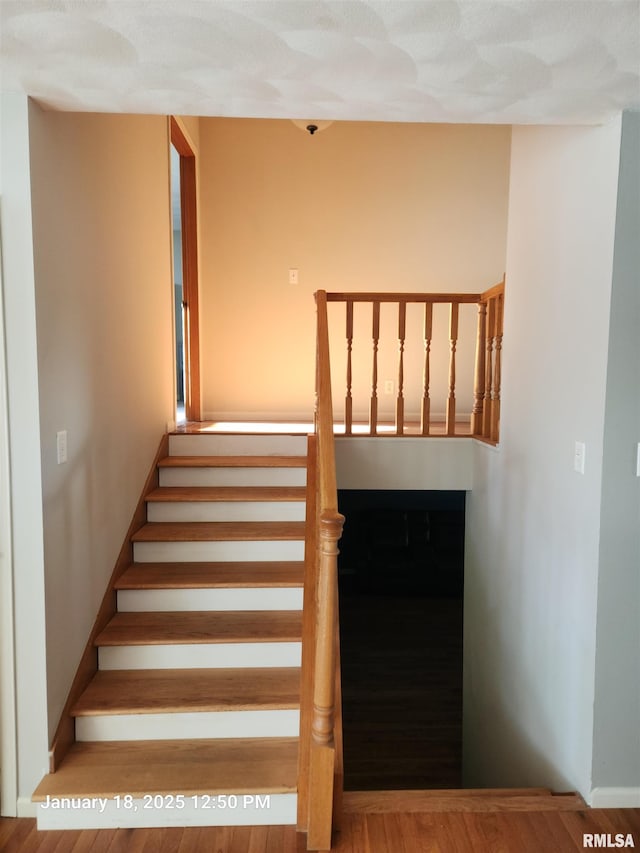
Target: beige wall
[[103, 303], [359, 206]]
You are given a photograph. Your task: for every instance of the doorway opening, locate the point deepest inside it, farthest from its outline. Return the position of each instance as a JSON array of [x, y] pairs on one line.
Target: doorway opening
[[185, 274], [401, 579]]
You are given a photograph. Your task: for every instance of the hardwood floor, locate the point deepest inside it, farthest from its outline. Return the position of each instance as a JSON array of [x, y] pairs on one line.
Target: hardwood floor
[[392, 832]]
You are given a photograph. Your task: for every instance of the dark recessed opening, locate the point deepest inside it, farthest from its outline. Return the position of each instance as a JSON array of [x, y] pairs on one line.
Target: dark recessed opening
[[401, 577]]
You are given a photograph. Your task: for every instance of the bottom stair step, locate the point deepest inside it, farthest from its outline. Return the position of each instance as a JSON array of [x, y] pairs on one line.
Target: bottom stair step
[[462, 800], [164, 783]]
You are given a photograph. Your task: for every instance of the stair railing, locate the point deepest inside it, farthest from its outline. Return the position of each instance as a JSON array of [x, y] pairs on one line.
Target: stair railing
[[321, 776], [484, 420]]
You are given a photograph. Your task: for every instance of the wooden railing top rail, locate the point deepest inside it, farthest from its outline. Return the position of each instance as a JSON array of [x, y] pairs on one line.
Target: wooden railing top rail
[[422, 298], [324, 415]]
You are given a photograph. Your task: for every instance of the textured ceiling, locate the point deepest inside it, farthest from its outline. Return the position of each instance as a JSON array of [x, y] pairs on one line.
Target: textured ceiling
[[521, 61]]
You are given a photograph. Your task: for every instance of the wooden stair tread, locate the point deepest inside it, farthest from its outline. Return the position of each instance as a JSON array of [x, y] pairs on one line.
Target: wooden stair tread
[[160, 691], [227, 493], [461, 800], [211, 575], [233, 462], [219, 531], [234, 766], [164, 628]]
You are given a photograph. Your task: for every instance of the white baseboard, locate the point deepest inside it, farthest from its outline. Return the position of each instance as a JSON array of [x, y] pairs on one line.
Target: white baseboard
[[615, 798], [25, 808]]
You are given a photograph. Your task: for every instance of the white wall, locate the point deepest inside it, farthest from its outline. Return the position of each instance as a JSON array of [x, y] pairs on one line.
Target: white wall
[[616, 757], [533, 523], [360, 206], [103, 283], [27, 563]]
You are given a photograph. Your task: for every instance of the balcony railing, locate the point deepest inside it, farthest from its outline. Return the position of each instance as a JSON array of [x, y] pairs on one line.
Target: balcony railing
[[432, 385]]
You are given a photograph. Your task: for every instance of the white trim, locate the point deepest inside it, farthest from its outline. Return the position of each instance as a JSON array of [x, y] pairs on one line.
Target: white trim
[[243, 598], [197, 655], [222, 444], [615, 798], [173, 511], [8, 752], [219, 551], [233, 476], [180, 726], [26, 808]]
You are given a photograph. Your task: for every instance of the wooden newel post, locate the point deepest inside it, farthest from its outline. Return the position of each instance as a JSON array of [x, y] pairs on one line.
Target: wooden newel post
[[322, 759]]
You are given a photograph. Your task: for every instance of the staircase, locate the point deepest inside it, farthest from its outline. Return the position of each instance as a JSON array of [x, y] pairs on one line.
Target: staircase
[[193, 715]]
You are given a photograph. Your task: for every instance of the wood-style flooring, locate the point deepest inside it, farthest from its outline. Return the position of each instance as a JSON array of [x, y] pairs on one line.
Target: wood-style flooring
[[391, 832]]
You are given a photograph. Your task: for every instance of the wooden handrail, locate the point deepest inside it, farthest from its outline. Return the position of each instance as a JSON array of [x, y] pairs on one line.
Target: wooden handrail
[[460, 298], [321, 740]]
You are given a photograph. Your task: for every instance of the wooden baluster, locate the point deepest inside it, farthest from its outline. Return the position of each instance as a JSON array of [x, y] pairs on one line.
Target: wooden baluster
[[488, 369], [375, 334], [453, 342], [348, 403], [426, 402], [478, 390], [497, 372], [402, 324]]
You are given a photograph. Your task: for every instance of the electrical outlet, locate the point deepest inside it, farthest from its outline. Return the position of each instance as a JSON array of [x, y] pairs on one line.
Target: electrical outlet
[[61, 445], [389, 387]]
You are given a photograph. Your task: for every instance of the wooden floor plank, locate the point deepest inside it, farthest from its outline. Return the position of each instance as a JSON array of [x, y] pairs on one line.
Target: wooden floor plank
[[219, 531], [227, 493], [162, 628], [211, 575], [233, 462], [239, 766], [453, 832], [189, 690]]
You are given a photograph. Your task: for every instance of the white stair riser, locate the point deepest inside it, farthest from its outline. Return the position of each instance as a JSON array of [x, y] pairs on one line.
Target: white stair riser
[[257, 809], [237, 445], [225, 511], [200, 655], [190, 552], [233, 476], [179, 726], [256, 598]]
